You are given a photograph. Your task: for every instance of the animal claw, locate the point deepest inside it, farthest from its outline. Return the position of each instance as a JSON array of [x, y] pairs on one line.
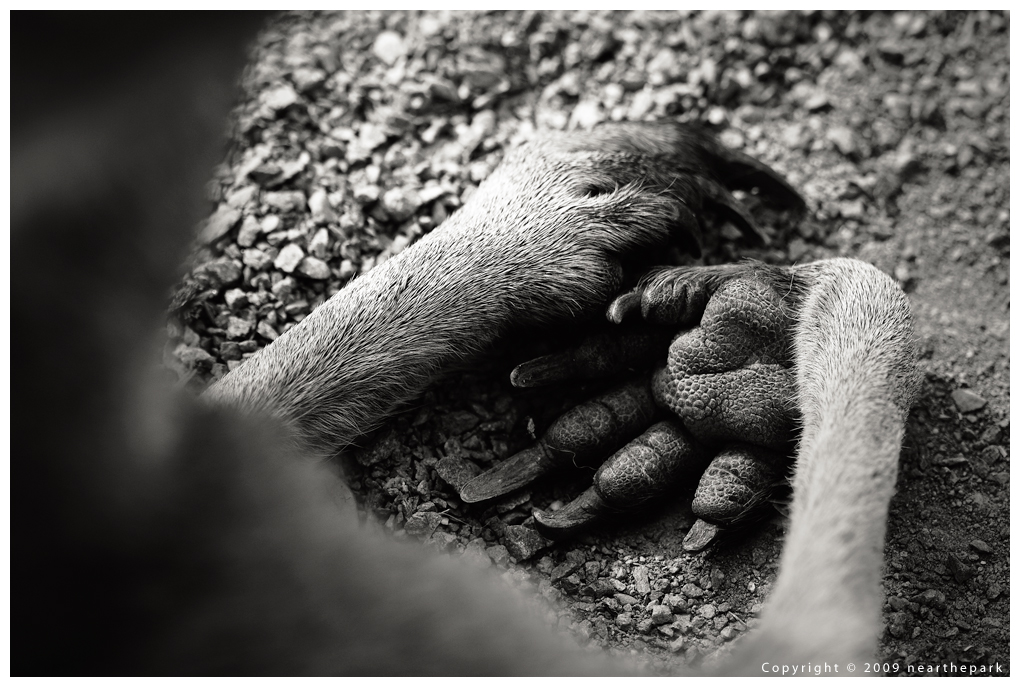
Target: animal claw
[[585, 509], [733, 209], [623, 306], [515, 472], [744, 171]]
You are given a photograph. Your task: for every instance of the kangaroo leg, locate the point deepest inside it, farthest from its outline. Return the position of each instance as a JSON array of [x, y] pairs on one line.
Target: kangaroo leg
[[831, 343], [857, 375], [849, 328]]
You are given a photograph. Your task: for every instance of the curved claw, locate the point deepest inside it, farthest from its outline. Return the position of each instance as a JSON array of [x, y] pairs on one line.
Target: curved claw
[[583, 510], [515, 472], [735, 211], [596, 357], [743, 171], [583, 436], [624, 306]]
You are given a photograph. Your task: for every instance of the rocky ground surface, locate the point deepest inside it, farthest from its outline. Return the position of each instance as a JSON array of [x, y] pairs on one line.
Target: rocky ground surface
[[360, 132]]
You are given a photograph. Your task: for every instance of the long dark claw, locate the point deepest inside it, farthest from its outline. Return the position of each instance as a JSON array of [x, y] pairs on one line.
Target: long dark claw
[[515, 472], [597, 357], [584, 509], [743, 171], [583, 436], [624, 305], [734, 210]]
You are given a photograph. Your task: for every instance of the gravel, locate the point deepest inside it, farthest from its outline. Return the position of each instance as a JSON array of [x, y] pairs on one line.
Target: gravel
[[968, 401]]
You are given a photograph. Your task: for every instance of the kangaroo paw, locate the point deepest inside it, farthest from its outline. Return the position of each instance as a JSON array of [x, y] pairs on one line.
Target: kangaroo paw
[[729, 378]]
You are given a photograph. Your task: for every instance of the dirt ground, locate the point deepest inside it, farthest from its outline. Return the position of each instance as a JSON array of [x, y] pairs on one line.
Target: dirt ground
[[360, 132]]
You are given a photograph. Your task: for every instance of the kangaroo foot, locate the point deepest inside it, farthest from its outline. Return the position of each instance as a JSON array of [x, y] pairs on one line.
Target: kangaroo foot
[[727, 387]]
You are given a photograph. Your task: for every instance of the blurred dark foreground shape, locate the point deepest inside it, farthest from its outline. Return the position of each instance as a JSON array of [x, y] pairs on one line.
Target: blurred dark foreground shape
[[149, 534]]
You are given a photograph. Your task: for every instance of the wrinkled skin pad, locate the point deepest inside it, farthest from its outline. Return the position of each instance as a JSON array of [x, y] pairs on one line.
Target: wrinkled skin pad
[[729, 379], [721, 410]]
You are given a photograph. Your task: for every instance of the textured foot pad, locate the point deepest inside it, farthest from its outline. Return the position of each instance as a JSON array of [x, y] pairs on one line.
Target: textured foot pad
[[730, 378]]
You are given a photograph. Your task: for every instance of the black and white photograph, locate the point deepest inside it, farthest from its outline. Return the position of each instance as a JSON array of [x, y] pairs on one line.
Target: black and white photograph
[[528, 342]]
